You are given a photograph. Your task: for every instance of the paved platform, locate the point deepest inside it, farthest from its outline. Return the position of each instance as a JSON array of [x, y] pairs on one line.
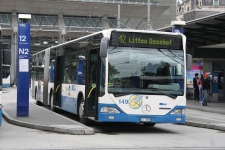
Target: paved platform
[[214, 107], [212, 117], [40, 117]]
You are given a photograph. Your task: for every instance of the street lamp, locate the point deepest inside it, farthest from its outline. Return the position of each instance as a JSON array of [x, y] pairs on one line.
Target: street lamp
[[149, 27]]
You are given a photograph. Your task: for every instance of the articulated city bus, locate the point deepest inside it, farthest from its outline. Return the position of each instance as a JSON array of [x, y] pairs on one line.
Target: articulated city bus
[[0, 76], [118, 76], [37, 77], [5, 75]]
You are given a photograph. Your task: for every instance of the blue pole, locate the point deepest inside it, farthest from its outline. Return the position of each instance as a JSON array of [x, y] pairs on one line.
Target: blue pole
[[23, 69]]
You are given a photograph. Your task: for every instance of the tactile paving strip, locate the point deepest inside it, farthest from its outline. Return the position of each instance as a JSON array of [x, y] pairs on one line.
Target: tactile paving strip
[[66, 126]]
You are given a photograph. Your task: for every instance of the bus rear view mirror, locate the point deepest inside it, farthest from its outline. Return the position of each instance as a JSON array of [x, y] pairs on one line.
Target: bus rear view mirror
[[189, 61], [104, 47]]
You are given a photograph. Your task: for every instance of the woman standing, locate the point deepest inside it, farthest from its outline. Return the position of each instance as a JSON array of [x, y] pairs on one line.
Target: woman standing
[[200, 88]]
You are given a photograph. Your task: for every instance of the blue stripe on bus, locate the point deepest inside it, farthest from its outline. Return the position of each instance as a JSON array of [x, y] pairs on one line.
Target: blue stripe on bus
[[5, 85], [69, 104], [0, 117], [122, 117]]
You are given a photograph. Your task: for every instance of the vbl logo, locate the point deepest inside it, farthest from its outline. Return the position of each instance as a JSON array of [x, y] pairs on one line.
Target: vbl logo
[[22, 25]]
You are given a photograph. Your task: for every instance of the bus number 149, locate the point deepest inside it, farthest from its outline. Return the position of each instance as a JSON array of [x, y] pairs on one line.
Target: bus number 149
[[123, 101]]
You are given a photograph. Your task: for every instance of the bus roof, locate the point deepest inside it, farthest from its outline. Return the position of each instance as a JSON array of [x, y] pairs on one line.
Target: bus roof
[[107, 33]]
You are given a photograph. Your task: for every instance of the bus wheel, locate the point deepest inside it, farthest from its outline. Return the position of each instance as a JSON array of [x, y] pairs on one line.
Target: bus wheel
[[37, 99], [82, 117], [38, 103], [149, 124], [35, 94], [51, 103]]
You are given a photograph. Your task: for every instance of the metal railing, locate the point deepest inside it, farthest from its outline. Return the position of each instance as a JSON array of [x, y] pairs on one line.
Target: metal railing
[[5, 20], [134, 2]]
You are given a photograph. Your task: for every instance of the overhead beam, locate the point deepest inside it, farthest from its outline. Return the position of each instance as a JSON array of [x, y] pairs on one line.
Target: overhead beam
[[215, 26], [219, 19], [204, 38], [202, 31], [199, 43]]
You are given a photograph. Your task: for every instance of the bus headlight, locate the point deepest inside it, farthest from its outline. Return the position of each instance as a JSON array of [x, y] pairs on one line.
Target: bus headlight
[[178, 112], [109, 110]]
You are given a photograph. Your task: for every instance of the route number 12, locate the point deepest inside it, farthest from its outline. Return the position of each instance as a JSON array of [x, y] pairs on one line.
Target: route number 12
[[22, 38]]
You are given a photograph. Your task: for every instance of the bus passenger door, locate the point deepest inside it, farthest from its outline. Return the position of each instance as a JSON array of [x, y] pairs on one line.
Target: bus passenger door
[[58, 81], [91, 84]]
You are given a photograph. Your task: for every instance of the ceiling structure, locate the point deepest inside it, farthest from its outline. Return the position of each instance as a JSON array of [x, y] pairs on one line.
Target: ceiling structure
[[206, 32], [81, 8], [44, 22]]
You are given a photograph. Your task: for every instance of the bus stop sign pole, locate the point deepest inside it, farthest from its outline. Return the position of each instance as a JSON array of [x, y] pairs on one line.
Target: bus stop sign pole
[[23, 69]]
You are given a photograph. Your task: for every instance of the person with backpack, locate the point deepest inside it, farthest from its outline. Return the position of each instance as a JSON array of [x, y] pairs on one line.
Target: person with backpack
[[205, 89]]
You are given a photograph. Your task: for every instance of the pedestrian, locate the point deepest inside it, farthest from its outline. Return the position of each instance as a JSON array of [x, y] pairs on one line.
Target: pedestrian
[[200, 88], [196, 88], [205, 89], [210, 89]]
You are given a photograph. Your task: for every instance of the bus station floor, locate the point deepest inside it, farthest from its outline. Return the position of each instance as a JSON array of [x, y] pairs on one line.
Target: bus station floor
[[39, 117], [212, 117]]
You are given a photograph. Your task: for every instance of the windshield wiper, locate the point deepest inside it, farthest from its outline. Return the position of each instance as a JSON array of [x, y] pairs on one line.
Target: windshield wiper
[[120, 94], [175, 55], [170, 57], [112, 49], [169, 95]]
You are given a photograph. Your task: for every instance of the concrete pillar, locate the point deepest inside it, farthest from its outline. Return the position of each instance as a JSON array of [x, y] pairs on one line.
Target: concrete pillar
[[13, 67], [62, 28], [105, 22], [118, 17]]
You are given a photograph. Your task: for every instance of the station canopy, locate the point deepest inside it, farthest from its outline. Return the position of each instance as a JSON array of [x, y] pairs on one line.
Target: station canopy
[[207, 32], [81, 17], [109, 8]]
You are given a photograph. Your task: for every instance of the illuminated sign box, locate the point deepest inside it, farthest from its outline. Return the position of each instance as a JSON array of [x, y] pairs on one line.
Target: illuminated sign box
[[146, 40]]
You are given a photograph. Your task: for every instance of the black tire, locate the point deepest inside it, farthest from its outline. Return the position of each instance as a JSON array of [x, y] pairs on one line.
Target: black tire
[[52, 108], [149, 124], [81, 115], [38, 103], [35, 94], [36, 98]]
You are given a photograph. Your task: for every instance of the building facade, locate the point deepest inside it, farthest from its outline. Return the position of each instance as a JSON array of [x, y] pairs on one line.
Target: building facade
[[54, 22], [192, 9], [204, 32]]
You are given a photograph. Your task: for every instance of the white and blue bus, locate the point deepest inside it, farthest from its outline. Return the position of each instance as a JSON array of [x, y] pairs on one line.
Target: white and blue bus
[[118, 76], [1, 77], [5, 76], [37, 77]]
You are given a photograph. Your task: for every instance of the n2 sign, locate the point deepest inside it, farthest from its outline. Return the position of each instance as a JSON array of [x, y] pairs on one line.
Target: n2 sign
[[23, 69]]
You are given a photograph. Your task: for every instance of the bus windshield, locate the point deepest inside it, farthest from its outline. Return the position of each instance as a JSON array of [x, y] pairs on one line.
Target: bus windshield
[[148, 71]]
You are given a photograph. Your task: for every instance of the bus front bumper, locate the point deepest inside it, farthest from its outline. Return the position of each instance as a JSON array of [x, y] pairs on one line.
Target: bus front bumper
[[122, 117]]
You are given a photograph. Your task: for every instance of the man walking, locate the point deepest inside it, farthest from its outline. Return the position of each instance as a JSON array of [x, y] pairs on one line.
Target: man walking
[[196, 88], [205, 89]]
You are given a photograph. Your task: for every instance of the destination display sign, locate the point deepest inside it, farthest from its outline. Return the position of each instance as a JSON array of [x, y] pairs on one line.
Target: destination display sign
[[146, 40]]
